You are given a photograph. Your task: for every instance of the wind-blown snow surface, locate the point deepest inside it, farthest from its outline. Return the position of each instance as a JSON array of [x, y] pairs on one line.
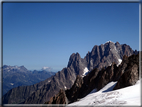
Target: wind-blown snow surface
[[129, 96]]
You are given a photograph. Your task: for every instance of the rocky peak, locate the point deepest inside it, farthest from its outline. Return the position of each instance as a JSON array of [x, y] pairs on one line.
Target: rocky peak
[[109, 42], [13, 69], [117, 44], [100, 57], [127, 50], [126, 74], [103, 55], [74, 57], [23, 68], [77, 64]]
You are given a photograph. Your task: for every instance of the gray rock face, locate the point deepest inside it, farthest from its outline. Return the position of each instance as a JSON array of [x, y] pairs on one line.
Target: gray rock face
[[100, 57], [131, 74], [20, 93], [103, 55], [126, 74], [74, 91], [60, 98], [77, 63], [62, 79]]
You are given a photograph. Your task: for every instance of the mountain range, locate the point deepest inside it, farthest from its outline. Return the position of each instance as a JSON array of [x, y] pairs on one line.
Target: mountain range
[[105, 56], [124, 75], [14, 76]]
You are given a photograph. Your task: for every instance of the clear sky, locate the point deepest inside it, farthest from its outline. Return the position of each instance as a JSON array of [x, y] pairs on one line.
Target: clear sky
[[40, 35]]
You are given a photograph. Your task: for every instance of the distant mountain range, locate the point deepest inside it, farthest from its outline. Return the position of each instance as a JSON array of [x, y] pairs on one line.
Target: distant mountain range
[[14, 76], [100, 57]]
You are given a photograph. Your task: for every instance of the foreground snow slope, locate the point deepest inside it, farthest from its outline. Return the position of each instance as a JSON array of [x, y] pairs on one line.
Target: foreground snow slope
[[125, 96]]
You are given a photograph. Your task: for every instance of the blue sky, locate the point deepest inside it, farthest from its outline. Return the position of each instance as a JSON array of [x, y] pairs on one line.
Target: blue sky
[[46, 34]]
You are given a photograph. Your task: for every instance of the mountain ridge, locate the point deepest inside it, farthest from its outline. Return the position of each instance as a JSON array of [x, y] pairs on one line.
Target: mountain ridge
[[125, 75], [100, 57], [14, 76]]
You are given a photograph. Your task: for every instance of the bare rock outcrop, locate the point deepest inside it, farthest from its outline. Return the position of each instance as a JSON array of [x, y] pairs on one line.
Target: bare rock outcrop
[[131, 74], [60, 98]]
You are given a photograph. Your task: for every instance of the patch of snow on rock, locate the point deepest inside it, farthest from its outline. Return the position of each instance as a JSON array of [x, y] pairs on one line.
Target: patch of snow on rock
[[65, 87], [49, 80], [85, 72], [119, 60]]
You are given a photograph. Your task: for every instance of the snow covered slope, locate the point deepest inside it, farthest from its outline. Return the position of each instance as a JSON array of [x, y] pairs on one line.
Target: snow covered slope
[[129, 96]]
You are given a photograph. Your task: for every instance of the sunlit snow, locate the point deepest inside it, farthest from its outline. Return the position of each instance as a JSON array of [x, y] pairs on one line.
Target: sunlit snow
[[119, 60], [65, 87], [85, 71], [129, 96]]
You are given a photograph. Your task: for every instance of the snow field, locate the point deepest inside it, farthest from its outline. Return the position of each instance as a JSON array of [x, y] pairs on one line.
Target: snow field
[[106, 96]]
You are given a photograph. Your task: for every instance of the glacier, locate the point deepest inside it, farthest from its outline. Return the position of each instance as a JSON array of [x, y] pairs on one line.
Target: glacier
[[129, 96]]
